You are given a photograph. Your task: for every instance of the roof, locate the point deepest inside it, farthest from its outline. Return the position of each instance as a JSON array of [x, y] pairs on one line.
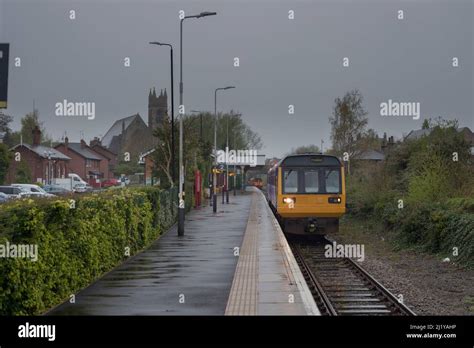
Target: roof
[[416, 134], [116, 129], [84, 151], [371, 155], [103, 148], [44, 151]]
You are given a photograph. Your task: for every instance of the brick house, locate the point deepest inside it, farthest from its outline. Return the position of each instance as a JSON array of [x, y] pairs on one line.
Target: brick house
[[84, 162], [105, 166], [44, 163]]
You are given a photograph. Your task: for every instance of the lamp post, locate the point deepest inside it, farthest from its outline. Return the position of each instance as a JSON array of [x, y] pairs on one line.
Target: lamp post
[[48, 155], [173, 174], [214, 197], [181, 208]]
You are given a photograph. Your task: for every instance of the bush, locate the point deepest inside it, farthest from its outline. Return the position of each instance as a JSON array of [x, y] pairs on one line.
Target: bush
[[75, 246], [439, 228]]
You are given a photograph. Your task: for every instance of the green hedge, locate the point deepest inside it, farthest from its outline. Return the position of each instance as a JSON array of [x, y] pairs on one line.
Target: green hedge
[[436, 228], [75, 246]]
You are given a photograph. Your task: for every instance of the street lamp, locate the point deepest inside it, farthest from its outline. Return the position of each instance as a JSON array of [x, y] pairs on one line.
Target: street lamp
[[214, 197], [48, 155], [181, 209], [173, 174]]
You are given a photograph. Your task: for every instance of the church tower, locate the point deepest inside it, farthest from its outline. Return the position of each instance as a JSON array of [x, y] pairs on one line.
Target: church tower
[[157, 108]]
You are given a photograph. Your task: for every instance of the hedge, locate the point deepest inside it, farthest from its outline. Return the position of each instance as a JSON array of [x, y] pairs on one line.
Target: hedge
[[435, 228], [76, 245]]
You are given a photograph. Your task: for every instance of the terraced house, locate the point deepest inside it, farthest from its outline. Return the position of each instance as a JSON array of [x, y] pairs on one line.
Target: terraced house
[[41, 163], [85, 162]]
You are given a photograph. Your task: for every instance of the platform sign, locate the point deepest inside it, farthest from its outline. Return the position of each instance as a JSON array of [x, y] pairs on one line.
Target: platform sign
[[4, 53]]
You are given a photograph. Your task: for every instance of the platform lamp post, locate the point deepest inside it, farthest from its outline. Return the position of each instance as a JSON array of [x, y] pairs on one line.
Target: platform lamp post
[[214, 196], [173, 171], [181, 208]]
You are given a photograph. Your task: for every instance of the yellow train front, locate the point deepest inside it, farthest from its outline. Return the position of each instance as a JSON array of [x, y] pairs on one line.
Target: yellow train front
[[307, 193]]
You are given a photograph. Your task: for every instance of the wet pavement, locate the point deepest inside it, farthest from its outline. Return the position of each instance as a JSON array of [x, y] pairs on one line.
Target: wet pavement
[[188, 275]]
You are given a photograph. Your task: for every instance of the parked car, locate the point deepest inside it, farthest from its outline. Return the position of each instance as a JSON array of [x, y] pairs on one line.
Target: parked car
[[11, 191], [32, 190], [110, 182], [56, 190], [3, 197], [81, 188]]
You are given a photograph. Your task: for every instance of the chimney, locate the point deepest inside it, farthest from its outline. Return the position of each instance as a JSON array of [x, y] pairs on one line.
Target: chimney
[[66, 145], [83, 144], [36, 136], [95, 141]]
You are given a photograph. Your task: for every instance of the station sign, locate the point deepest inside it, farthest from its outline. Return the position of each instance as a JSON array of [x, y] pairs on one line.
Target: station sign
[[4, 54]]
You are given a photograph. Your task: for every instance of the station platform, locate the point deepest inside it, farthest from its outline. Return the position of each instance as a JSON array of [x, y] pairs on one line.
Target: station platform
[[267, 280], [200, 274]]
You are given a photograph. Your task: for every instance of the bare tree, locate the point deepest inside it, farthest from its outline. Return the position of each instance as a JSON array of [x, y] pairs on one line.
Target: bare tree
[[348, 124]]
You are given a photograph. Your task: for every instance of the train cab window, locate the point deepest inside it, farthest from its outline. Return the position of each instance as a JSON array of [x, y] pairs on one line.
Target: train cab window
[[290, 181], [332, 180], [311, 181]]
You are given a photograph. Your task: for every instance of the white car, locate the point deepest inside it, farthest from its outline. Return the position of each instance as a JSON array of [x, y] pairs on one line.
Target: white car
[[30, 190], [80, 188]]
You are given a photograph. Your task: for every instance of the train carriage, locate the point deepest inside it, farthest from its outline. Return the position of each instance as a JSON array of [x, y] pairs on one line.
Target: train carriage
[[307, 193]]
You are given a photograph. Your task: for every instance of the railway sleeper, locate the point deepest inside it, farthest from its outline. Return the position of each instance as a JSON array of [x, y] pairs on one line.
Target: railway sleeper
[[347, 299]]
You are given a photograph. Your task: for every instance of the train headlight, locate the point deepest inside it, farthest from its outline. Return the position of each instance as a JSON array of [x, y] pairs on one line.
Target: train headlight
[[289, 200], [335, 200]]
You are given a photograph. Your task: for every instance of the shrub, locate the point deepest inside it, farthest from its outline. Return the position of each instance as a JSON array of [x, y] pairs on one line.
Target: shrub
[[75, 246]]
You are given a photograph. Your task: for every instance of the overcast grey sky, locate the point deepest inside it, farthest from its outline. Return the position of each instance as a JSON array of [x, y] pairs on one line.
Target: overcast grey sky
[[282, 61]]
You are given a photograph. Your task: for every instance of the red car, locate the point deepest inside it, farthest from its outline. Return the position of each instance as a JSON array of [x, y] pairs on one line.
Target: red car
[[110, 183]]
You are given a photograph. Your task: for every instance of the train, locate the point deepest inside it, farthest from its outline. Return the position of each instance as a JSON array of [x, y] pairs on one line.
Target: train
[[307, 193]]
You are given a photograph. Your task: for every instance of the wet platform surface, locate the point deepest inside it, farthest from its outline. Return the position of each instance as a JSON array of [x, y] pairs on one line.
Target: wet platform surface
[[188, 275], [268, 280]]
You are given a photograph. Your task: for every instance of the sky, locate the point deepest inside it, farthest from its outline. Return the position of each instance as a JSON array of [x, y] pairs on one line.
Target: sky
[[282, 61]]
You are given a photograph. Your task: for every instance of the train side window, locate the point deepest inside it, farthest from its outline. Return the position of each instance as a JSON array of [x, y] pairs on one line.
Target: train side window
[[332, 181], [290, 181], [311, 181]]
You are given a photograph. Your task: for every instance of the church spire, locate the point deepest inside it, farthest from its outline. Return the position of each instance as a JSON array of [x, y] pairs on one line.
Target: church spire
[[154, 92]]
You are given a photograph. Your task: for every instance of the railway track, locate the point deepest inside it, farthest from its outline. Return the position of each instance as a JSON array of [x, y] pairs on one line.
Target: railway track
[[340, 286]]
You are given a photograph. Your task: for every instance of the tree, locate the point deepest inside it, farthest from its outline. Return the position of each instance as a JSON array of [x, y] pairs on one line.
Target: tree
[[5, 157], [426, 124], [162, 155], [23, 173], [5, 120], [127, 168], [348, 124], [198, 146], [28, 123], [306, 149]]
